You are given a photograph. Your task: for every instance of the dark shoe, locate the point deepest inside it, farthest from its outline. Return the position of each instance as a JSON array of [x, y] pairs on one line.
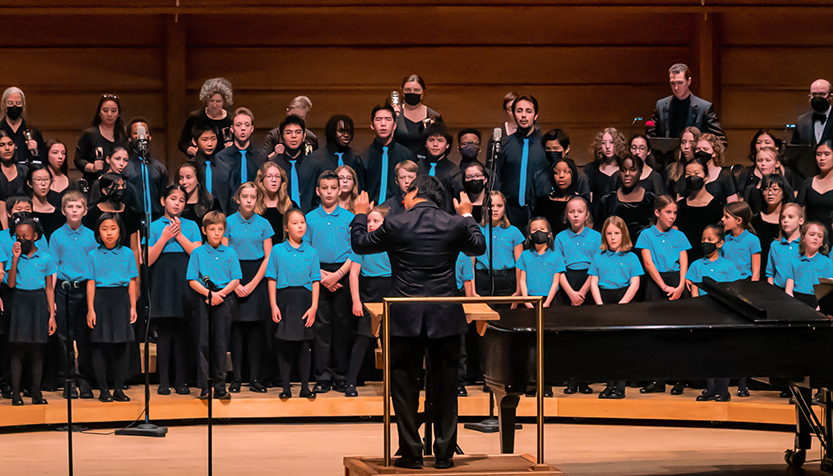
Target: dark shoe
[[71, 393], [548, 391], [163, 390], [350, 391], [321, 387], [653, 387], [17, 401], [203, 394], [85, 393], [39, 400], [306, 393], [234, 387], [606, 393], [792, 400], [183, 390], [726, 397], [119, 396], [257, 387], [585, 389], [222, 395], [6, 391], [443, 463], [570, 389], [705, 397], [743, 393], [285, 395], [339, 387], [409, 463], [785, 394], [678, 389], [461, 391], [104, 396]]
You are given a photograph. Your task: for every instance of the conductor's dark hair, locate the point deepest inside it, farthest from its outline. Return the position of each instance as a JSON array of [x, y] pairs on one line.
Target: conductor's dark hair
[[292, 119], [438, 128], [109, 216], [428, 188], [326, 175], [201, 127], [525, 97], [469, 130], [332, 126], [558, 135], [382, 107]]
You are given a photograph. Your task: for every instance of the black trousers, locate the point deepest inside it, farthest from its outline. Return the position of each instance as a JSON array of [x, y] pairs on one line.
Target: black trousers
[[335, 331], [81, 369], [172, 346], [248, 340], [221, 317], [33, 353], [443, 355]]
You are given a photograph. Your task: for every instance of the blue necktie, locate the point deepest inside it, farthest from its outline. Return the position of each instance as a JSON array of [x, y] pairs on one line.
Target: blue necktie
[[293, 177], [340, 158], [146, 181], [524, 166], [383, 188], [433, 170], [244, 171], [208, 181]]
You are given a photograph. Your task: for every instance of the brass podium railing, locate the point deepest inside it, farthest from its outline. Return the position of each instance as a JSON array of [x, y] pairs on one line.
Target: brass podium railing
[[538, 301]]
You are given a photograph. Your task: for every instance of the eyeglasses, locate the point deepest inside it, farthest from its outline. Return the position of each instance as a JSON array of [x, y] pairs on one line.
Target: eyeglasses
[[41, 180], [273, 177], [475, 177], [773, 190], [639, 148], [346, 178]]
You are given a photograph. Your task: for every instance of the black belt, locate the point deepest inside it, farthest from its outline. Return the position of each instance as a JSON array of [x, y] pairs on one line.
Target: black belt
[[498, 272], [73, 284]]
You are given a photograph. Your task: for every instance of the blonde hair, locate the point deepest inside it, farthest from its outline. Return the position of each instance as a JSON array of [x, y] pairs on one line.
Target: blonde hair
[[245, 186], [784, 208], [355, 191], [825, 247], [620, 145], [717, 146], [504, 220], [214, 218], [626, 237], [73, 196], [284, 202]]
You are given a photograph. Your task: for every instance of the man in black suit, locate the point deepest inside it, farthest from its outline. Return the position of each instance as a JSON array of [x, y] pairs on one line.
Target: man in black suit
[[812, 128], [683, 109], [423, 244]]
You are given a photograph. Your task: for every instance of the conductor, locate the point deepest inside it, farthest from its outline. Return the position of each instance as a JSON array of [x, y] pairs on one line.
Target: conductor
[[423, 244]]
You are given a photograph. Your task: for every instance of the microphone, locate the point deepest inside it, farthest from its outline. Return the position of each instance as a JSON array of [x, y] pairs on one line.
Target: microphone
[[142, 141], [209, 284], [497, 135]]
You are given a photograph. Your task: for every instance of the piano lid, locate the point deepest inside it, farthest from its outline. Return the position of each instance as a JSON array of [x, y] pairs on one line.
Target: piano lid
[[728, 305]]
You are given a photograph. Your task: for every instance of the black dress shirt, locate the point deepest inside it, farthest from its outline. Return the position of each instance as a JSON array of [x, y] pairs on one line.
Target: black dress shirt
[[369, 169], [509, 167], [219, 179], [158, 180], [308, 170], [19, 138], [449, 176], [232, 157], [327, 157], [222, 126]]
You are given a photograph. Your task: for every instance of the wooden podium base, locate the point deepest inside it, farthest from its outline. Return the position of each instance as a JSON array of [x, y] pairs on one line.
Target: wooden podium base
[[464, 465]]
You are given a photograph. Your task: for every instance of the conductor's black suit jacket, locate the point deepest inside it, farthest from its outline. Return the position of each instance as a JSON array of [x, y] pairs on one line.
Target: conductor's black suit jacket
[[423, 245]]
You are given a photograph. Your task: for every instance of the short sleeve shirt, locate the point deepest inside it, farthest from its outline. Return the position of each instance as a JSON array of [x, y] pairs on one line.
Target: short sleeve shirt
[[187, 227], [577, 249], [32, 270], [806, 272], [329, 234], [220, 264], [290, 266], [504, 241], [112, 268], [463, 270], [615, 269], [70, 250], [373, 266], [665, 247], [540, 270], [739, 250], [782, 255], [721, 270], [246, 237]]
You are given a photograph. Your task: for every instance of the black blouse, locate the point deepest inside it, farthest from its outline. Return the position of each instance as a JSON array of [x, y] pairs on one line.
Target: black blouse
[[409, 133], [90, 140], [50, 221], [693, 220], [637, 215], [199, 115], [723, 187], [767, 233], [553, 211], [818, 206], [14, 187]]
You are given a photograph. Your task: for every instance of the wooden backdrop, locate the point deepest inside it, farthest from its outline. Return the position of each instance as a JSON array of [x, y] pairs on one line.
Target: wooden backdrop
[[591, 63]]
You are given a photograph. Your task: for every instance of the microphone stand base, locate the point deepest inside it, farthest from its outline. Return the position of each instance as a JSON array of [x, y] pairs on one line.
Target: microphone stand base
[[145, 429], [489, 425]]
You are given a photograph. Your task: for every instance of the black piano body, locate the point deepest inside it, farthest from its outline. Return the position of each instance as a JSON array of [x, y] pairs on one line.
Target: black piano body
[[738, 329]]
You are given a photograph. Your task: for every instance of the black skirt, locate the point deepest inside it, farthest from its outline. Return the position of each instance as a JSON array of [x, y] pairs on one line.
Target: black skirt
[[112, 316], [293, 302], [613, 296], [255, 306], [808, 299], [168, 286], [505, 282], [29, 322], [654, 293], [372, 290], [576, 278]]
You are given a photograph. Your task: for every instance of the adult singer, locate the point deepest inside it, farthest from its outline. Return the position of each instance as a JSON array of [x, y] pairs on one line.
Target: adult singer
[[423, 244]]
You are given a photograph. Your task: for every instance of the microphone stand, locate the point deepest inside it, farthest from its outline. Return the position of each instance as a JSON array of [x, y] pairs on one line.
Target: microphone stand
[[210, 382], [67, 288], [147, 428]]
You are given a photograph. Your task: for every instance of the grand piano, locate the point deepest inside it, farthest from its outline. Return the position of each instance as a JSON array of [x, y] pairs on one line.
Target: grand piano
[[738, 329]]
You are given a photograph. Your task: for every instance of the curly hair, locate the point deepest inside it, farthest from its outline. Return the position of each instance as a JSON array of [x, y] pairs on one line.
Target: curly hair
[[717, 146], [620, 146], [220, 86]]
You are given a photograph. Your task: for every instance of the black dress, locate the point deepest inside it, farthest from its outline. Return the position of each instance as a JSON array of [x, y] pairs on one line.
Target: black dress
[[90, 140], [767, 233], [275, 218], [818, 206], [600, 185], [553, 211], [130, 219], [637, 215], [14, 187], [409, 134], [693, 220], [50, 222], [199, 115], [723, 187], [654, 183]]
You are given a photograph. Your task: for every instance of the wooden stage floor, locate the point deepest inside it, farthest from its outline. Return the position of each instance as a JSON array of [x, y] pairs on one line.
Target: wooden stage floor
[[762, 407]]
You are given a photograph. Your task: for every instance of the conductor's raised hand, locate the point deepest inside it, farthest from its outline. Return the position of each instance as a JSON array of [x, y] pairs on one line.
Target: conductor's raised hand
[[463, 206], [362, 205]]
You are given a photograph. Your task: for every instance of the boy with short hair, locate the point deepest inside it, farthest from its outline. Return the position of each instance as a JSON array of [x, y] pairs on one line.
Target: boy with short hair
[[214, 264], [215, 172], [70, 247]]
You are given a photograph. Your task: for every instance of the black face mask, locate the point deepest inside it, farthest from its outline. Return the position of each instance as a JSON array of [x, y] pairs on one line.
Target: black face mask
[[25, 245], [554, 156], [708, 248], [703, 155], [14, 112], [694, 183], [818, 104], [412, 99], [540, 237], [473, 187], [115, 195], [469, 152]]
